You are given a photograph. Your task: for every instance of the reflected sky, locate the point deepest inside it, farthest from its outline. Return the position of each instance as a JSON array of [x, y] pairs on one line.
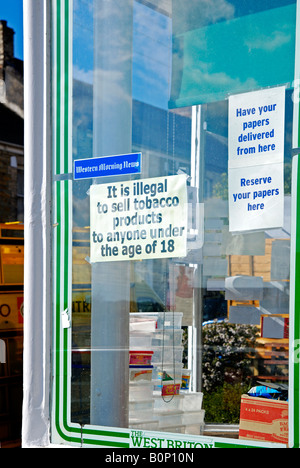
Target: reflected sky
[[151, 59], [219, 47]]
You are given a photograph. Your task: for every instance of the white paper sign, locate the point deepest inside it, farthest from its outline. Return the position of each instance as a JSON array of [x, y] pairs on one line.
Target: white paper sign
[[256, 198], [256, 128], [139, 219], [255, 164]]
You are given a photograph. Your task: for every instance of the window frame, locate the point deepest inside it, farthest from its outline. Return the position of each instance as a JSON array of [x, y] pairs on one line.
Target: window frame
[[62, 429]]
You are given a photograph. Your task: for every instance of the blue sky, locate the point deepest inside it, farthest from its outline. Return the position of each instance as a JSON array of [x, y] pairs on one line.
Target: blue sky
[[150, 54], [12, 12]]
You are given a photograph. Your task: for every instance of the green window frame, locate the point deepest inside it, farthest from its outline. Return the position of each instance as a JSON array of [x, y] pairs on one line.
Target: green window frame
[[64, 431]]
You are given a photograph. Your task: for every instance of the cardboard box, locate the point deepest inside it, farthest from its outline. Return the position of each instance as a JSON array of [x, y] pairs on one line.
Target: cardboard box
[[264, 420]]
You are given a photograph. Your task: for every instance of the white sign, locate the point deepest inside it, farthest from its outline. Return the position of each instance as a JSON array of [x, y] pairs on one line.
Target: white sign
[[138, 219], [255, 164], [256, 128]]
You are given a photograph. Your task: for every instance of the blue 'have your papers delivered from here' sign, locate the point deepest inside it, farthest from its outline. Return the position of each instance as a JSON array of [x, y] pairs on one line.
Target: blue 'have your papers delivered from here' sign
[[108, 166]]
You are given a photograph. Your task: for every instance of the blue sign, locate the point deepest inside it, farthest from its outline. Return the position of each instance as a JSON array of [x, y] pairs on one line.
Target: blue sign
[[108, 166]]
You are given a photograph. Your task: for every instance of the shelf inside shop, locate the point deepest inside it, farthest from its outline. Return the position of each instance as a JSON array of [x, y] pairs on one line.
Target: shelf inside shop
[[148, 424], [167, 355], [156, 399], [137, 407], [163, 320]]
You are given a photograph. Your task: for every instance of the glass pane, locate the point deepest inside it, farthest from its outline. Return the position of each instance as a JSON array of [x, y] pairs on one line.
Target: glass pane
[[171, 343]]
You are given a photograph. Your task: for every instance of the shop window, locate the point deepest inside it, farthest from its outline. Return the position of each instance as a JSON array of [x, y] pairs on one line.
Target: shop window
[[181, 269]]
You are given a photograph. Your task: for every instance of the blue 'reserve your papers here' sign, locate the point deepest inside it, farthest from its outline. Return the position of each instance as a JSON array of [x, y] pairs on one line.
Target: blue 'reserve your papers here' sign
[[108, 166]]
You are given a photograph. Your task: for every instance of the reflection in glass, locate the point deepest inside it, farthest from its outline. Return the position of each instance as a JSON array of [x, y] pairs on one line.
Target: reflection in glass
[[239, 46], [210, 326]]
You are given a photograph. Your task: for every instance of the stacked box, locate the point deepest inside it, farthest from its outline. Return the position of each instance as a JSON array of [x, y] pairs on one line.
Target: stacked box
[[158, 400]]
